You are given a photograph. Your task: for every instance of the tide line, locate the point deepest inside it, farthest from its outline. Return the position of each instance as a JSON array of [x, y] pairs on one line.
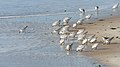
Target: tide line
[[23, 16]]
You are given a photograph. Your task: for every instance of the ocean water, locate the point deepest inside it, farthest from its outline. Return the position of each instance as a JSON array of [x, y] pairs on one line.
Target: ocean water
[[38, 47]]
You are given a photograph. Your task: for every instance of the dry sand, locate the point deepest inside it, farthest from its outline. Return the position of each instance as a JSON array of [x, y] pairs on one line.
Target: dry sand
[[106, 54]]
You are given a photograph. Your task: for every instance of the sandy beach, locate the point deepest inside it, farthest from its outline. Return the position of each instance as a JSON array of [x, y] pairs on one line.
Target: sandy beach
[[106, 54]]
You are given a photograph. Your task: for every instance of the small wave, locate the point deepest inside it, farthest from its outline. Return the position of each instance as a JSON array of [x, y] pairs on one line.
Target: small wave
[[8, 17]]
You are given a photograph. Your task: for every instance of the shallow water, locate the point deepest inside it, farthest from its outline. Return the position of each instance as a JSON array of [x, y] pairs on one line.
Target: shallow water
[[51, 10], [38, 47]]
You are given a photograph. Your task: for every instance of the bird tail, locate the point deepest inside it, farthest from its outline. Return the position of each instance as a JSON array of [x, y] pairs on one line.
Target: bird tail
[[71, 44], [111, 38], [25, 27]]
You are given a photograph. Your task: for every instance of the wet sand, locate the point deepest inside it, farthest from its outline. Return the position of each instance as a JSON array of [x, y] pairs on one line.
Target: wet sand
[[107, 54]]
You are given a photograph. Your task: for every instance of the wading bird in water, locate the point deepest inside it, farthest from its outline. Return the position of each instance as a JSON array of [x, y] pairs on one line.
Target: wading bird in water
[[82, 10], [80, 48], [69, 47], [23, 30], [56, 23], [115, 6], [96, 8]]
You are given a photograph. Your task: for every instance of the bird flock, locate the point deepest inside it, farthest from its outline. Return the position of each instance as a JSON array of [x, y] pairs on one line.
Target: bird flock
[[78, 38], [68, 38]]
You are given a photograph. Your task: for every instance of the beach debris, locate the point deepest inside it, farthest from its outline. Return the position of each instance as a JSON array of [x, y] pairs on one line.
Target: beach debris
[[118, 37]]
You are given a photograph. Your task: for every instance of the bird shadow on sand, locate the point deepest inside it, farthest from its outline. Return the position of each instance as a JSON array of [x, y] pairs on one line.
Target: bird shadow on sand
[[115, 43], [103, 48]]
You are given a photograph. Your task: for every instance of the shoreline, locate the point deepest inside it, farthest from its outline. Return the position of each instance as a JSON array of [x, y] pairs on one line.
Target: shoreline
[[106, 54]]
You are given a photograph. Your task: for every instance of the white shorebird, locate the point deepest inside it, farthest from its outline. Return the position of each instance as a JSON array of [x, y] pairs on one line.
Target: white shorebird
[[82, 10], [80, 48], [69, 47], [62, 41], [65, 23], [95, 45], [56, 23], [89, 36], [64, 36], [66, 19], [23, 30], [74, 25], [64, 30], [80, 21], [81, 37], [96, 8], [80, 31], [72, 34], [56, 30], [85, 41], [107, 40], [115, 6], [88, 16], [94, 39]]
